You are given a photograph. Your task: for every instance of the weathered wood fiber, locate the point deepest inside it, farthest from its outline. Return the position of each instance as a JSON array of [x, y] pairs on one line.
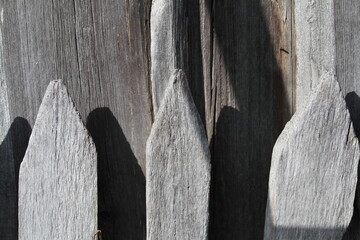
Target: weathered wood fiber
[[169, 44], [327, 37], [253, 96], [58, 176], [10, 153], [178, 168], [347, 36], [8, 196], [206, 44], [97, 47], [315, 44], [101, 51], [177, 43], [314, 170]]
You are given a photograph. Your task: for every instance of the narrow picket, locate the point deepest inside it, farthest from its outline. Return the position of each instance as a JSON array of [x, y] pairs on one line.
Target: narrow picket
[[58, 176], [168, 44], [178, 168], [313, 172], [315, 45]]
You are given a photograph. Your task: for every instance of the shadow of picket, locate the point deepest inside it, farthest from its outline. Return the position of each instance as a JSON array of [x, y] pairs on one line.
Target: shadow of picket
[[353, 104], [121, 182], [12, 151], [251, 111]]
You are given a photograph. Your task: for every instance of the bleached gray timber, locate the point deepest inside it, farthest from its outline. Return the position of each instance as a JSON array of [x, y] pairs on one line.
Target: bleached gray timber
[[58, 176], [315, 44], [101, 50], [313, 172], [168, 44], [178, 168]]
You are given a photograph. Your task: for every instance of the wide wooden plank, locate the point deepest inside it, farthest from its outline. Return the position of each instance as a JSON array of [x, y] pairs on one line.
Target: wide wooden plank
[[101, 51], [58, 176], [253, 98], [314, 170], [178, 168]]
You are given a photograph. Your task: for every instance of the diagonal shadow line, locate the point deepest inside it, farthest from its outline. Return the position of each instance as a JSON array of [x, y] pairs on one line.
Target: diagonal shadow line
[[121, 182]]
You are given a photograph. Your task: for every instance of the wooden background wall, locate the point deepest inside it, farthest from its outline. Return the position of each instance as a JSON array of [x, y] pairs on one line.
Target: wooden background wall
[[242, 69]]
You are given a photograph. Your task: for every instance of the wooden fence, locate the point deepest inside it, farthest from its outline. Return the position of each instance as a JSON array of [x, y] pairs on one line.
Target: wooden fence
[[192, 96]]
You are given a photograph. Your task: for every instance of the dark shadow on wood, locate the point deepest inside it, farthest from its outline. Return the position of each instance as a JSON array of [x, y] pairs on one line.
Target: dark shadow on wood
[[353, 104], [121, 182], [244, 59], [195, 68], [302, 232], [12, 151]]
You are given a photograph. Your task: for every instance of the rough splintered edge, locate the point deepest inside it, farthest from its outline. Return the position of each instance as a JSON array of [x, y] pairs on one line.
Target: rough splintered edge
[[326, 79], [179, 77]]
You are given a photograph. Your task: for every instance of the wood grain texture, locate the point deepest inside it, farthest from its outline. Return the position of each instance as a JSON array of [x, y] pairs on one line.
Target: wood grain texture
[[327, 37], [101, 51], [58, 176], [14, 136], [252, 81], [347, 38], [178, 168], [169, 44], [315, 44], [314, 170]]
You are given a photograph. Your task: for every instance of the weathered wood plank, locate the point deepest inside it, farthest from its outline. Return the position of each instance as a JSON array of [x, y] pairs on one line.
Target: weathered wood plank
[[58, 177], [314, 170], [178, 168], [101, 51], [315, 44], [169, 44], [253, 85], [8, 180], [347, 38], [328, 39]]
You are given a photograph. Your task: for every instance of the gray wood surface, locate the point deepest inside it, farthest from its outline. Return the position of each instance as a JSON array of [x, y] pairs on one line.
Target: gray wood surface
[[315, 44], [101, 51], [178, 168], [328, 38], [169, 44], [58, 176], [314, 169], [14, 136], [253, 99]]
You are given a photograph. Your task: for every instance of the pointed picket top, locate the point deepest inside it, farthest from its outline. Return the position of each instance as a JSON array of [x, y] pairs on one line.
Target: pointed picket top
[[58, 176], [178, 168], [168, 24], [314, 170]]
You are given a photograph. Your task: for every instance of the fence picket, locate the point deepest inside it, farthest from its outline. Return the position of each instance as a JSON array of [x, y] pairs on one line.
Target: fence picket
[[315, 45], [58, 176], [168, 44], [314, 170], [178, 168]]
